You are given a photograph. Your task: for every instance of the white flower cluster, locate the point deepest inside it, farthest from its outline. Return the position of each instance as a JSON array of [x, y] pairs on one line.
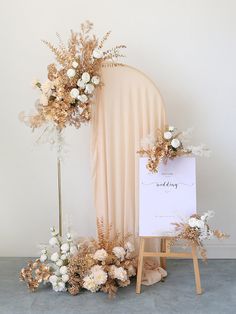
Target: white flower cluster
[[98, 276], [168, 135], [57, 258], [201, 225], [86, 86]]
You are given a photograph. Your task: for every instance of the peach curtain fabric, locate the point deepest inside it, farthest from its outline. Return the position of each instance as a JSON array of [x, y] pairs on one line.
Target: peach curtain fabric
[[128, 107]]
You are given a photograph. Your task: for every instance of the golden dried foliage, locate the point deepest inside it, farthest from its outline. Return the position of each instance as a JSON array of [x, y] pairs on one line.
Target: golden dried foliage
[[34, 274]]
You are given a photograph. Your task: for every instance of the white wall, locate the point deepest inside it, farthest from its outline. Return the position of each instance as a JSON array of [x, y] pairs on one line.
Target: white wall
[[188, 47]]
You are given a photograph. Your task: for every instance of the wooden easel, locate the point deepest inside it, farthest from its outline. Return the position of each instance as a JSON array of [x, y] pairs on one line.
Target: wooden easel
[[163, 254]]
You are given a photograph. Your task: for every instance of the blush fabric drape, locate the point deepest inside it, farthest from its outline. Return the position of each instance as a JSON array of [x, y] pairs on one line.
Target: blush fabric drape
[[128, 107]]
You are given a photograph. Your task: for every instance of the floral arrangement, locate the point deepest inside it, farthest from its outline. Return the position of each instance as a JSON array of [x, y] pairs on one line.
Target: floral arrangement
[[102, 265], [196, 230], [168, 144], [52, 266], [66, 97]]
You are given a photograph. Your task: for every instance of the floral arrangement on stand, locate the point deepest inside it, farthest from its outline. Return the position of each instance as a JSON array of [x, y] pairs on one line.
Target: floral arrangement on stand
[[67, 96], [168, 144], [196, 230], [95, 265]]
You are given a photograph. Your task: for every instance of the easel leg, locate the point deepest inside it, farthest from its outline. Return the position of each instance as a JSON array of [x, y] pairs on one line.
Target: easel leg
[[196, 271], [163, 250], [140, 265]]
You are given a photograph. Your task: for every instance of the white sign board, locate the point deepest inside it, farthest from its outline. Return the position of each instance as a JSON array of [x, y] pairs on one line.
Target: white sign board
[[167, 196]]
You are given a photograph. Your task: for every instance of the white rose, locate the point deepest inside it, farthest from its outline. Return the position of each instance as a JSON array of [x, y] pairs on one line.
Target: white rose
[[81, 83], [200, 224], [63, 270], [167, 135], [53, 241], [75, 64], [95, 80], [65, 278], [43, 258], [119, 252], [55, 257], [83, 98], [74, 93], [171, 128], [97, 54], [89, 88], [71, 73], [65, 247], [53, 279], [59, 263], [175, 143], [85, 77], [100, 255]]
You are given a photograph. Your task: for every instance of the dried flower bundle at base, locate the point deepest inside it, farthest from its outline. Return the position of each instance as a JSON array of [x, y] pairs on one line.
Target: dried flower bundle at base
[[104, 264]]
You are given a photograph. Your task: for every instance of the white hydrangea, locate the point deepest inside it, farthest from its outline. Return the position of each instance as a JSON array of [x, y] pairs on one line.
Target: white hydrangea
[[99, 275], [73, 250], [118, 273], [119, 252], [100, 255], [207, 215], [89, 284]]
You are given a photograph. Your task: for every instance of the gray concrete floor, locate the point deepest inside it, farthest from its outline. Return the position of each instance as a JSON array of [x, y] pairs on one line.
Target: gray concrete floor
[[175, 295]]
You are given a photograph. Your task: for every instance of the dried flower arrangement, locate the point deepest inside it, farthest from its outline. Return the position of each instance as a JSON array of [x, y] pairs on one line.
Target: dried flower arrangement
[[196, 230], [168, 144], [104, 264], [67, 95], [52, 264]]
